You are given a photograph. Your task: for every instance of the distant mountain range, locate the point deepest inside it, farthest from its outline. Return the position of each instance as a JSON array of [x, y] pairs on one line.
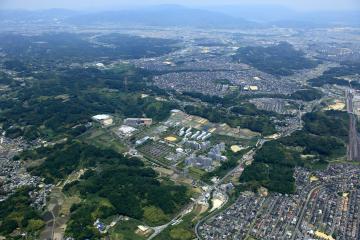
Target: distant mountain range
[[164, 15], [286, 17], [174, 15]]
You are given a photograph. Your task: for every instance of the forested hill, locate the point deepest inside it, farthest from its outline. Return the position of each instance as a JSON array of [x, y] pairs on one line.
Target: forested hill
[[280, 60], [56, 104]]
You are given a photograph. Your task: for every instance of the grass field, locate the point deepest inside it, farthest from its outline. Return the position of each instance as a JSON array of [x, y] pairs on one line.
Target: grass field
[[125, 230], [104, 138], [181, 231], [196, 172], [216, 138]]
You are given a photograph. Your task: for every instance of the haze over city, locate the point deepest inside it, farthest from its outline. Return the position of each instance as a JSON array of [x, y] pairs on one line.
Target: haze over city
[[301, 5]]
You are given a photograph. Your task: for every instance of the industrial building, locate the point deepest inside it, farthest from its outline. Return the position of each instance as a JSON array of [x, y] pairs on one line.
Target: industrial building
[[126, 131], [199, 162], [138, 122], [104, 119]]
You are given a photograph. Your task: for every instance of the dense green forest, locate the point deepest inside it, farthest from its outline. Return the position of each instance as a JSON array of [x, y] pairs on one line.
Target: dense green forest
[[313, 144], [16, 212], [327, 123], [273, 168], [307, 95], [113, 184], [49, 48], [335, 76], [250, 110], [322, 139], [324, 135], [57, 104], [136, 47], [64, 158], [279, 60]]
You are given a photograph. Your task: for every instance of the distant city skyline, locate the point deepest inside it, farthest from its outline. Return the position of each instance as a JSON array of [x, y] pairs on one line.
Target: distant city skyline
[[299, 5]]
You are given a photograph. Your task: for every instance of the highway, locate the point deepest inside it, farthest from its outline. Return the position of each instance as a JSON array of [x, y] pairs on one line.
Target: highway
[[353, 151]]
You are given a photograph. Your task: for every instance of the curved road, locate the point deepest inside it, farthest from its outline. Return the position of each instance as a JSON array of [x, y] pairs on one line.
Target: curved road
[[299, 221]]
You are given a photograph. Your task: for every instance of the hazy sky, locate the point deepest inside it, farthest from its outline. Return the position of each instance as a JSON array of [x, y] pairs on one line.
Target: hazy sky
[[301, 5]]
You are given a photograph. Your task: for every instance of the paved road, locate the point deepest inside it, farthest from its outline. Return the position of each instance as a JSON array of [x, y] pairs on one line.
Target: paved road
[[159, 229], [353, 151], [248, 156], [299, 221]]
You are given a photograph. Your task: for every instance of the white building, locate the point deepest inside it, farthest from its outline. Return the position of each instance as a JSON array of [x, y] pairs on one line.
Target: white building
[[104, 119]]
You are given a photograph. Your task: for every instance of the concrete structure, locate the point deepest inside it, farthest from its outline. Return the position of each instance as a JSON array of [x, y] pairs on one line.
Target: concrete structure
[[104, 119], [126, 130], [142, 141], [136, 122], [251, 88], [199, 161]]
